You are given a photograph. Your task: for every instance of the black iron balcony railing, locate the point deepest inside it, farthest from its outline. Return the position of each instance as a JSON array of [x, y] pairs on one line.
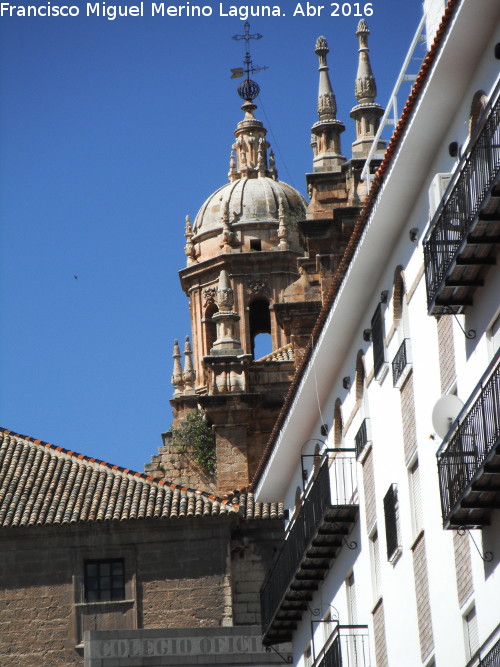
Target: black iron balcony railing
[[457, 217], [327, 514], [493, 657], [347, 646], [361, 438], [469, 457], [400, 363]]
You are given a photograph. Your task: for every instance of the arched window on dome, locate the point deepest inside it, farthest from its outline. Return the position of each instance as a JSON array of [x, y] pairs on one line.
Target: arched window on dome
[[210, 327], [260, 328]]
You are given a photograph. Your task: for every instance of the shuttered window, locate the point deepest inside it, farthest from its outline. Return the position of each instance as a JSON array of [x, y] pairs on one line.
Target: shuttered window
[[391, 520], [351, 599], [416, 497], [378, 337], [376, 565], [471, 631]]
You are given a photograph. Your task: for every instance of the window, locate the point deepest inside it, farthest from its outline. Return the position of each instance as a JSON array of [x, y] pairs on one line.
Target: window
[[493, 335], [352, 609], [338, 424], [210, 327], [256, 244], [391, 511], [361, 438], [378, 340], [471, 633], [375, 565], [329, 626], [416, 498], [260, 328], [104, 580], [308, 658]]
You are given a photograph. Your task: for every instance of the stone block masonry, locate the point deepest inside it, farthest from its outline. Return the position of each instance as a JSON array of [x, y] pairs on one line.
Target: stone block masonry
[[196, 573]]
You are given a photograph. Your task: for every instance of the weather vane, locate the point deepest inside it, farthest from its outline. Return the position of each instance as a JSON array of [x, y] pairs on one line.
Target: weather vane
[[248, 90]]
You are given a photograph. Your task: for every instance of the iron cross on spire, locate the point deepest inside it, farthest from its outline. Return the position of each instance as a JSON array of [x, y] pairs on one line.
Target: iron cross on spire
[[249, 89]]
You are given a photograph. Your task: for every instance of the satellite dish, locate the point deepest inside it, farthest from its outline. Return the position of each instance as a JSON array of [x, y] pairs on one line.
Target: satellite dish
[[445, 412]]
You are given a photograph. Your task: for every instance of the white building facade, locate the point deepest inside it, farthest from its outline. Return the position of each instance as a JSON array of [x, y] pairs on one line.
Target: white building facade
[[387, 452]]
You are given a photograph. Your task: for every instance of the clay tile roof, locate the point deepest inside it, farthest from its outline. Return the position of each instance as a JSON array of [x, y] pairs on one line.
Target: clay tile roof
[[41, 484]]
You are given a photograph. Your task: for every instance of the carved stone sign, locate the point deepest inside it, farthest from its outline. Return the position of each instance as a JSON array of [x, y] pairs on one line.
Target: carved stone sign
[[231, 646]]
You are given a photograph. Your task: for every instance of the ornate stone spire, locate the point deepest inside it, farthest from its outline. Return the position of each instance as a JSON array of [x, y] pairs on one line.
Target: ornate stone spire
[[251, 145], [367, 112], [227, 235], [226, 344], [325, 139], [177, 380], [189, 374], [365, 88], [327, 105]]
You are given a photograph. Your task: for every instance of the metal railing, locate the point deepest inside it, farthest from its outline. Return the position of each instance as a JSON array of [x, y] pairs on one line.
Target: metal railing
[[361, 438], [472, 437], [476, 172], [488, 655], [348, 646], [493, 657], [334, 484], [400, 361]]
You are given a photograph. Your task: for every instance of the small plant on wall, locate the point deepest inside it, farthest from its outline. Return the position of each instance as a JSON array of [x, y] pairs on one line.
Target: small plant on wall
[[194, 436]]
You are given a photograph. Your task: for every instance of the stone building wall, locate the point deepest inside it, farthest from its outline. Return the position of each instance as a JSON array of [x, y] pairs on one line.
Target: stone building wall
[[178, 573]]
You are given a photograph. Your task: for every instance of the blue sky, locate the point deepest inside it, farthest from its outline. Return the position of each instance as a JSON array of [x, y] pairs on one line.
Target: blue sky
[[111, 133]]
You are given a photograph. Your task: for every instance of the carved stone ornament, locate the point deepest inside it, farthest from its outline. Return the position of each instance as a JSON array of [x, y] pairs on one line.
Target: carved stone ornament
[[209, 296], [257, 286], [225, 298], [327, 105]]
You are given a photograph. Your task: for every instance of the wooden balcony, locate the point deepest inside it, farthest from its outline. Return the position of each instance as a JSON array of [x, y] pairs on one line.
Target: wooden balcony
[[469, 458], [463, 238], [327, 515]]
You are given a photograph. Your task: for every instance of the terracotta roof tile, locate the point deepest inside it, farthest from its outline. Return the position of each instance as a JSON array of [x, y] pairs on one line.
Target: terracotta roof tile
[[41, 484]]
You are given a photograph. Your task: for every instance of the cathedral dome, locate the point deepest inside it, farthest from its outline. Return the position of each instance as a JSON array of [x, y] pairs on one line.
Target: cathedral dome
[[254, 211], [250, 201]]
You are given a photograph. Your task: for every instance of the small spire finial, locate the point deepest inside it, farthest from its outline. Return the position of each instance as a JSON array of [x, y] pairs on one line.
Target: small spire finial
[[189, 374], [282, 230], [189, 247], [327, 105], [177, 380]]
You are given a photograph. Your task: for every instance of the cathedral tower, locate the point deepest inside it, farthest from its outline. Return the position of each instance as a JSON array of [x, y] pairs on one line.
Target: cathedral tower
[[259, 261]]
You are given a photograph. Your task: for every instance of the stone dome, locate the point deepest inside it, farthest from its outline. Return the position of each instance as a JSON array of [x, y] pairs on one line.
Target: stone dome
[[249, 200]]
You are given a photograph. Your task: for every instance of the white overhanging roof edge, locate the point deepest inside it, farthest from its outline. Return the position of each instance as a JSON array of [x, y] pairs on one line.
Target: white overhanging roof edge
[[397, 189]]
